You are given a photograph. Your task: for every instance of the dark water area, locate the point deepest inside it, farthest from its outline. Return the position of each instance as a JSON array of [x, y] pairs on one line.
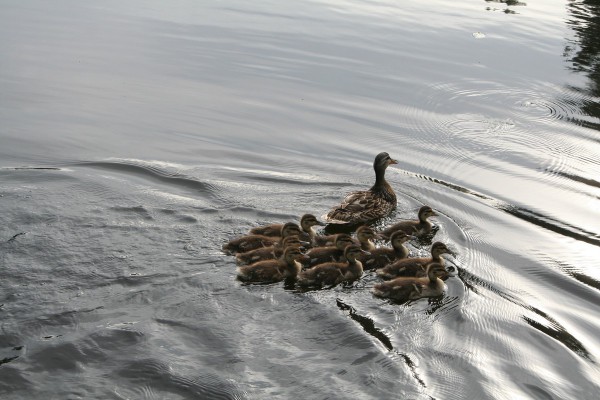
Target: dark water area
[[137, 137]]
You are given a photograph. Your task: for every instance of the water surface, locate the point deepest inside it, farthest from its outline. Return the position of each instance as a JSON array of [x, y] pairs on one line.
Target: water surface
[[137, 138]]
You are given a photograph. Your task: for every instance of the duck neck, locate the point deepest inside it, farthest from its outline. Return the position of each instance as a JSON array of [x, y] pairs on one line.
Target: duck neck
[[437, 258], [382, 187], [355, 266], [367, 245], [294, 268], [380, 182], [311, 232], [423, 224], [401, 251], [432, 278]]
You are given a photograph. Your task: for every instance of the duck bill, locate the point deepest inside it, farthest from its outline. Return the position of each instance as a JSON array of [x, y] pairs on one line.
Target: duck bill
[[392, 161]]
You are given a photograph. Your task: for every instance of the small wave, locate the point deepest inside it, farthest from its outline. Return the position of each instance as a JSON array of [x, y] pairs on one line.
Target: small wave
[[164, 379], [151, 171], [551, 224]]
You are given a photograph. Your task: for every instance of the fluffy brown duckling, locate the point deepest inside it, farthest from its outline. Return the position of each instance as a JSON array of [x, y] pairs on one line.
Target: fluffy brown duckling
[[363, 206], [382, 256], [414, 266], [419, 227], [412, 288], [319, 255], [251, 242], [332, 273], [287, 266], [307, 224], [268, 253]]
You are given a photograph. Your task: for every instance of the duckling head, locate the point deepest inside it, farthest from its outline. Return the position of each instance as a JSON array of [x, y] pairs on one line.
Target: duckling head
[[290, 229], [436, 270], [398, 238], [439, 248], [293, 241], [426, 212], [342, 240], [291, 254], [308, 221], [353, 251], [365, 233]]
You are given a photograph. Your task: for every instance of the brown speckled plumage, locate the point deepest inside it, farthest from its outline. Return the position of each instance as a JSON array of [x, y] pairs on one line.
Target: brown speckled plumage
[[368, 205]]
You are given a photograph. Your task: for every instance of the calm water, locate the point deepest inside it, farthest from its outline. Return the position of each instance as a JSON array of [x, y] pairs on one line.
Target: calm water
[[138, 136]]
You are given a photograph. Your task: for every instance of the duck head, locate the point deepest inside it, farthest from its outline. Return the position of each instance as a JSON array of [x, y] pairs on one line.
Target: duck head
[[342, 240], [293, 241], [398, 238], [353, 251], [290, 229], [426, 212], [292, 254], [439, 248], [436, 270], [382, 161], [308, 221]]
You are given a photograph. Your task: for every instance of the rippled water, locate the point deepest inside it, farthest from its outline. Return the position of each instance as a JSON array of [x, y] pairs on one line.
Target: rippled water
[[137, 138]]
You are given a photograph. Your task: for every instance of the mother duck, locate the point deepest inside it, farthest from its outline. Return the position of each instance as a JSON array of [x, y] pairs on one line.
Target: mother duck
[[367, 205]]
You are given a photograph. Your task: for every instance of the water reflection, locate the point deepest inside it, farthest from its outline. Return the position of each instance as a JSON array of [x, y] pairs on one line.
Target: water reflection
[[508, 3], [584, 51]]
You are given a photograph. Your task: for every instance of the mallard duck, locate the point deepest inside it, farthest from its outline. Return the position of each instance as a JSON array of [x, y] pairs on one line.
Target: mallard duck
[[287, 266], [319, 255], [307, 222], [417, 228], [268, 253], [412, 288], [382, 256], [414, 266], [251, 242], [332, 273], [363, 206]]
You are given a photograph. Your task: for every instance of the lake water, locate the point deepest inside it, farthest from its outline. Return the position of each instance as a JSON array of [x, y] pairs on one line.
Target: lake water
[[137, 137]]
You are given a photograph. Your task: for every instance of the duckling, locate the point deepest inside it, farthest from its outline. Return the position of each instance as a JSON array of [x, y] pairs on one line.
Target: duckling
[[363, 206], [287, 266], [307, 222], [319, 255], [324, 240], [268, 253], [414, 266], [251, 242], [412, 288], [382, 256], [420, 227], [332, 273], [365, 236]]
